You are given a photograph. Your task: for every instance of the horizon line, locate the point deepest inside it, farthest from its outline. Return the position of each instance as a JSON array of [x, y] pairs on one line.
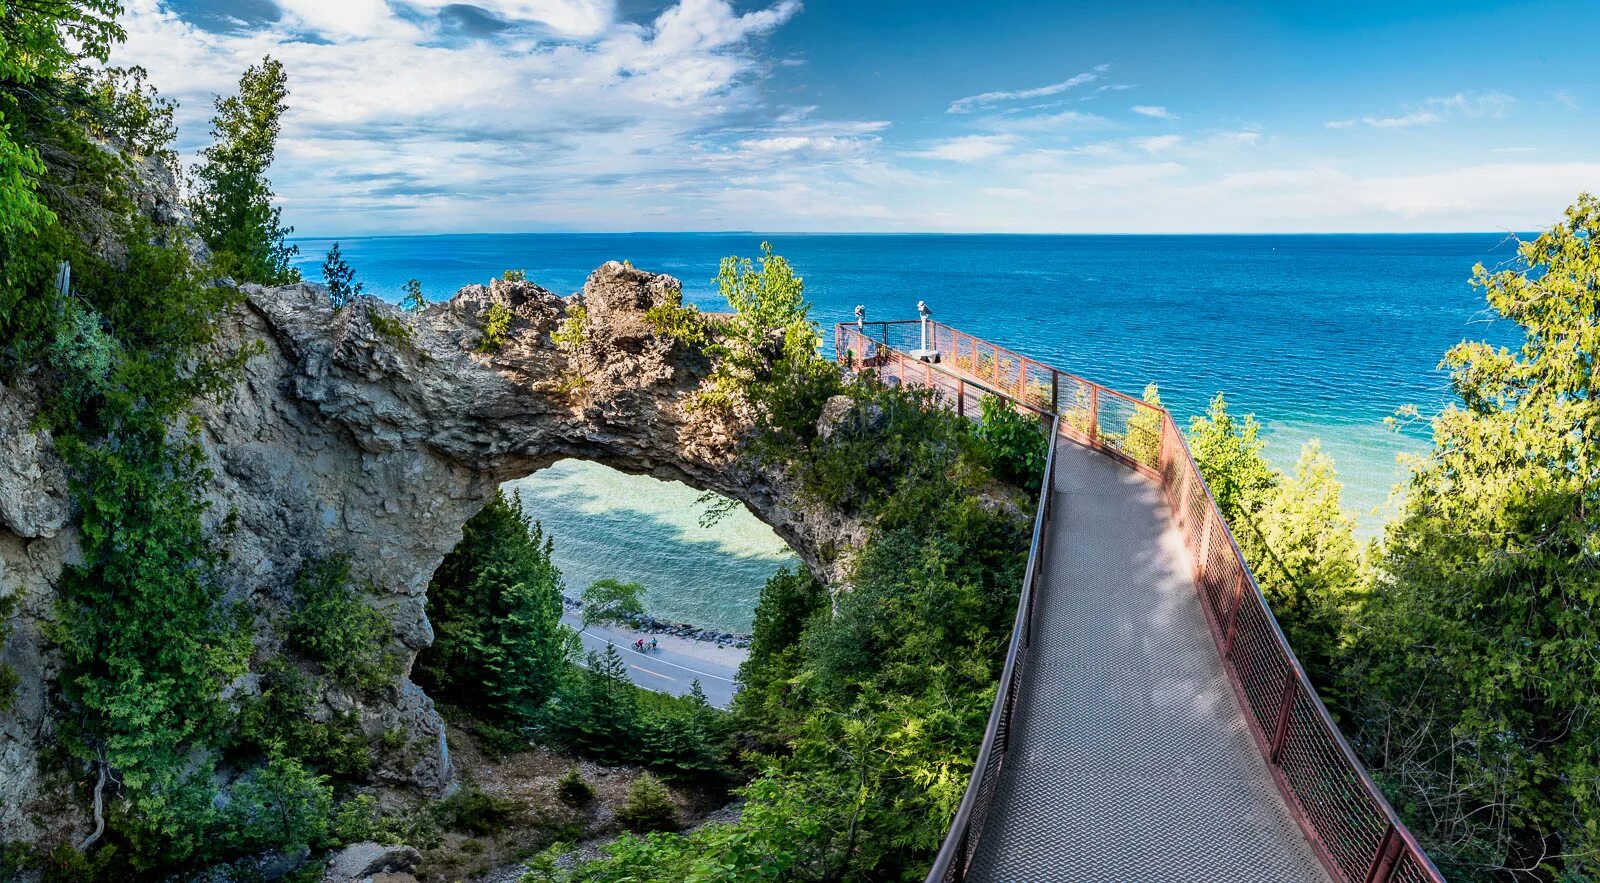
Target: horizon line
[[354, 236]]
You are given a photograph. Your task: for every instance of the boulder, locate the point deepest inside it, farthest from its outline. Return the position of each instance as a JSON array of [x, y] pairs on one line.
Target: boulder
[[370, 862]]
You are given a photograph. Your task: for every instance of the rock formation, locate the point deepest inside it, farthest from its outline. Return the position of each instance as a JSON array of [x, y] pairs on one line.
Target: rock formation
[[376, 434]]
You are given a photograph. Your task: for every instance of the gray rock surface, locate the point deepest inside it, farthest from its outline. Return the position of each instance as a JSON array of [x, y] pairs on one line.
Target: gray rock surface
[[360, 862], [343, 439]]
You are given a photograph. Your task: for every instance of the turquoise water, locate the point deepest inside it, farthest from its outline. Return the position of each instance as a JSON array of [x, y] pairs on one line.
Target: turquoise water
[[1319, 336], [632, 527]]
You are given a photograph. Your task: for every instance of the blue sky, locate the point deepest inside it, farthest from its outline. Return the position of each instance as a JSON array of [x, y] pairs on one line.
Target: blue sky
[[418, 116]]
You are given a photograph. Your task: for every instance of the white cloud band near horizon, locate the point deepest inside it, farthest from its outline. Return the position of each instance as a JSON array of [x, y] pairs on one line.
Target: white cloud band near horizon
[[572, 117]]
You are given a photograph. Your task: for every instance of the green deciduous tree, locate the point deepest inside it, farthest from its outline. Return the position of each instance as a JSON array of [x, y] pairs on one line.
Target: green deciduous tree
[[495, 603], [1228, 453], [1301, 546], [610, 600], [232, 198], [413, 301], [1480, 691]]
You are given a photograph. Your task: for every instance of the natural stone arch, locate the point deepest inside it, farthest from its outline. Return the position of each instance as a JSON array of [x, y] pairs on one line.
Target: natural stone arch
[[345, 439]]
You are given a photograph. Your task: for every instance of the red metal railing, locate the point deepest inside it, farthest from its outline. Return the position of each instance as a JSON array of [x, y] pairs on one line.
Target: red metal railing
[[1353, 829]]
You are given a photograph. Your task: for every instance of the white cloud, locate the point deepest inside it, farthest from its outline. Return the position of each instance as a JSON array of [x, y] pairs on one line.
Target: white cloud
[[1415, 118], [1063, 121], [973, 102], [1471, 105], [1158, 143], [1154, 111], [968, 148]]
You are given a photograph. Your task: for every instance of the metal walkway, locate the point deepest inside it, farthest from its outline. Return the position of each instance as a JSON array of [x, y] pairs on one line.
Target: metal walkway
[[1151, 722], [1131, 759]]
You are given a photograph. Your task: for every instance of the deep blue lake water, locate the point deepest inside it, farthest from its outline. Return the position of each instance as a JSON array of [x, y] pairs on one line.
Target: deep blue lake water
[[1319, 336]]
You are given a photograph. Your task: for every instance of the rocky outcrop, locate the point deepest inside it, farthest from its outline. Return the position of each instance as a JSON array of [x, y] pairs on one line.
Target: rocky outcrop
[[376, 434]]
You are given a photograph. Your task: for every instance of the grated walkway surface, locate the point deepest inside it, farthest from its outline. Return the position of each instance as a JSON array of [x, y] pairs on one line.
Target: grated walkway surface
[[1131, 760]]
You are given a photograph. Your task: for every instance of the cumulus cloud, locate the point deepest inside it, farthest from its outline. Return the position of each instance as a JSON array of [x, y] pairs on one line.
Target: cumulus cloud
[[974, 102]]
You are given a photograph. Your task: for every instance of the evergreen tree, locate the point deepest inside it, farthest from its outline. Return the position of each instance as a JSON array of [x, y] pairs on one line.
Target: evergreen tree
[[232, 201], [495, 603], [340, 278]]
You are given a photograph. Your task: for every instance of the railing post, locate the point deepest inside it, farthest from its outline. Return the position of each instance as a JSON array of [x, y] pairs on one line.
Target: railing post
[[1055, 391], [1094, 415], [1204, 556], [1290, 685], [1233, 616], [961, 398], [1383, 861]]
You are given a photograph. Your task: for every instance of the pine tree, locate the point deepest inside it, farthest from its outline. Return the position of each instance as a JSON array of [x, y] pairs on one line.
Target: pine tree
[[495, 603], [232, 199]]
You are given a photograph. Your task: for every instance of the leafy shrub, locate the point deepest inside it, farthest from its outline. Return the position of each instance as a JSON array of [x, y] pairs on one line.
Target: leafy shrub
[[516, 276], [390, 328], [279, 718], [280, 804], [471, 810], [649, 806], [1013, 443], [496, 329], [1144, 430], [332, 626], [573, 789]]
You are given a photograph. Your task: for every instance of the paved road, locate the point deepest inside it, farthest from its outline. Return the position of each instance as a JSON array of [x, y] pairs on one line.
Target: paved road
[[674, 666]]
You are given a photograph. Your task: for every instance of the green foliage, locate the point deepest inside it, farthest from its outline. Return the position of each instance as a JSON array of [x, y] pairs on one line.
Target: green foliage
[[766, 355], [496, 329], [1301, 546], [1479, 696], [1144, 430], [573, 789], [280, 804], [1013, 442], [516, 276], [1229, 456], [8, 676], [495, 603], [471, 810], [333, 626], [788, 602], [679, 321], [392, 329], [571, 337], [610, 600], [596, 711], [280, 719], [413, 301], [340, 279], [649, 806], [232, 198]]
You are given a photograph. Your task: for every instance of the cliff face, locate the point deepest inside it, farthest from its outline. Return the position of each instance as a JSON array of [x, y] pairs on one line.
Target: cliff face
[[347, 437]]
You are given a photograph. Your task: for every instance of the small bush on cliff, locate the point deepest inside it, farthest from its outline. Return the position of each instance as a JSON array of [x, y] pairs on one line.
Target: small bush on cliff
[[495, 603], [573, 789], [340, 278], [413, 301], [334, 626], [496, 329]]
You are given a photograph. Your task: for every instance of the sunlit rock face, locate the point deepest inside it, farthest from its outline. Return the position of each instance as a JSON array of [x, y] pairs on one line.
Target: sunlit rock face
[[346, 437]]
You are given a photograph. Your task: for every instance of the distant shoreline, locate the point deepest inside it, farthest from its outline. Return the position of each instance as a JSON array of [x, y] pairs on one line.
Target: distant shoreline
[[650, 625]]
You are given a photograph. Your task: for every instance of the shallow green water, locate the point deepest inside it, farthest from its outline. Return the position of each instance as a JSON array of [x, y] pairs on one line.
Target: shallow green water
[[632, 527]]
